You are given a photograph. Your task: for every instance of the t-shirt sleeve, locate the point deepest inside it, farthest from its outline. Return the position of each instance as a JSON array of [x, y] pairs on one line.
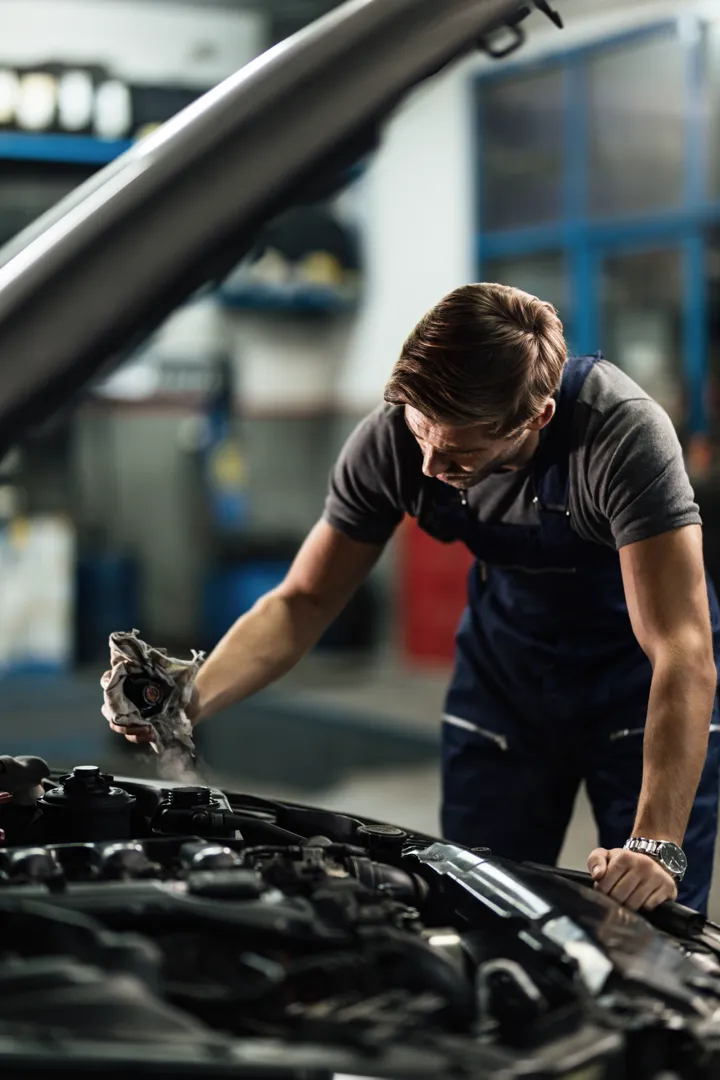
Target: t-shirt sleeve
[[637, 476], [363, 500]]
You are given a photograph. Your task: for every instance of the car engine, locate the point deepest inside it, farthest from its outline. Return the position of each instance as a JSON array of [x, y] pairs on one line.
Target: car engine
[[188, 931]]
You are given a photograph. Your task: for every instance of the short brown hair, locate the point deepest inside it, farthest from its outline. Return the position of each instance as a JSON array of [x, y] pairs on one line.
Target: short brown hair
[[486, 354]]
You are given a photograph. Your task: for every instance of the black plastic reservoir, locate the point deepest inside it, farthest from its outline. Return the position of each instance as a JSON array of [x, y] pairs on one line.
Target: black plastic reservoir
[[86, 807]]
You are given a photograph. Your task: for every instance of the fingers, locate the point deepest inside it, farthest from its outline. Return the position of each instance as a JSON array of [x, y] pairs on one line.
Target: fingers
[[633, 890], [627, 886], [635, 880], [656, 898], [646, 895], [619, 863], [133, 734], [597, 862]]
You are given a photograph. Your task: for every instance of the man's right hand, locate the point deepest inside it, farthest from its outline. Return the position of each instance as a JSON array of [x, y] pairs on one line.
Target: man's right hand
[[143, 733], [133, 734]]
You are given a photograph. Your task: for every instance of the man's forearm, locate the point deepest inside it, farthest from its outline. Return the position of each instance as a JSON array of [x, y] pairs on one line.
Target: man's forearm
[[262, 646], [678, 722]]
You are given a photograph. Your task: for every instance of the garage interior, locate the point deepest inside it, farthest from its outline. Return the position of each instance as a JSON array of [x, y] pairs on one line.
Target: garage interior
[[179, 488]]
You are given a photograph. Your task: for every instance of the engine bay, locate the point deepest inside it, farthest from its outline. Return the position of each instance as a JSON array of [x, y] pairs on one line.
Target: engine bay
[[184, 929]]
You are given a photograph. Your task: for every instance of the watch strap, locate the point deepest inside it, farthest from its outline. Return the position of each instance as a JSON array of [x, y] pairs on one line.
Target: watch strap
[[643, 845], [653, 848]]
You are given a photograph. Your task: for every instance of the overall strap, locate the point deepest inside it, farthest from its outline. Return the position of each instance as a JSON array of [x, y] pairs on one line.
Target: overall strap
[[552, 465]]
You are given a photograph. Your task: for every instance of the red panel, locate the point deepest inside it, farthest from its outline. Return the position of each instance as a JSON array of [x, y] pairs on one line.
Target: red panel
[[433, 593]]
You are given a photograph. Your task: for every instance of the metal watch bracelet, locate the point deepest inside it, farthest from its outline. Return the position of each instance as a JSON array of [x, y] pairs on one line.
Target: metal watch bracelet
[[669, 855]]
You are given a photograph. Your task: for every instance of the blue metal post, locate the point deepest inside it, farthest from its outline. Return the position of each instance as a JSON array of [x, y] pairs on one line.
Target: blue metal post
[[586, 282]]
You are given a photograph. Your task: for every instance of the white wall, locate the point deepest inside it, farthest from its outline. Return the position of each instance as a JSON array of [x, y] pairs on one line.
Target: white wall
[[418, 241], [139, 40]]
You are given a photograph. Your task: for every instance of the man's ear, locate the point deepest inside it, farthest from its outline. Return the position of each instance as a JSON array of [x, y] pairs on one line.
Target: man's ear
[[545, 416]]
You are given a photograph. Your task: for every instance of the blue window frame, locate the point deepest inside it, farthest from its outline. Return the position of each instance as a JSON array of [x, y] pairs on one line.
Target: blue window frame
[[586, 233]]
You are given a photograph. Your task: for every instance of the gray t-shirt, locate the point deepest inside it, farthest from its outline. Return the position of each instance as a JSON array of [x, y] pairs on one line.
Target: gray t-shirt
[[627, 476]]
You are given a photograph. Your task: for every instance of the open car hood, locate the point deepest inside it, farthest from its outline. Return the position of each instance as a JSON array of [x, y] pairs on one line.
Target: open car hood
[[90, 279]]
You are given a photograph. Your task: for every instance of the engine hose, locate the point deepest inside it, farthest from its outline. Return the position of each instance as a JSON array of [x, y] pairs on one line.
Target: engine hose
[[416, 966], [259, 833]]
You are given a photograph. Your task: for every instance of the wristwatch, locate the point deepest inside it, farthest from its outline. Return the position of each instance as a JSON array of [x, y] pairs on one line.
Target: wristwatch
[[670, 856]]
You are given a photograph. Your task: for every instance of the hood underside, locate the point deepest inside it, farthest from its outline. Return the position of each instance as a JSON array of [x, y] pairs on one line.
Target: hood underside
[[92, 278]]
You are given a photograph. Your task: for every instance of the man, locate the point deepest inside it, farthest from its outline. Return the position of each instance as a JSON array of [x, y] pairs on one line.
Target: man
[[586, 650]]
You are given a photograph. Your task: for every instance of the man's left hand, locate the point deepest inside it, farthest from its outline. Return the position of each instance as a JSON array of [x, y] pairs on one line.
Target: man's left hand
[[631, 878]]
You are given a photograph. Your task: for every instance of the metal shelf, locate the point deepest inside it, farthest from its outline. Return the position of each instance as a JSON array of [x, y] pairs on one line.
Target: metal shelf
[[289, 299], [55, 147]]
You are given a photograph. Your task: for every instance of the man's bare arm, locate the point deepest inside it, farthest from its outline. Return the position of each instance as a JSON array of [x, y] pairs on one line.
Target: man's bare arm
[[285, 624], [667, 600]]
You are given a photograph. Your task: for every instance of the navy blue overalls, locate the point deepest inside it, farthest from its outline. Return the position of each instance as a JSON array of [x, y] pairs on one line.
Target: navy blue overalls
[[550, 685]]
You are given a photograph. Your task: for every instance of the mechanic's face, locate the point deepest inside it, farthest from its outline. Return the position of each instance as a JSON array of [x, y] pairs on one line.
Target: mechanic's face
[[463, 456]]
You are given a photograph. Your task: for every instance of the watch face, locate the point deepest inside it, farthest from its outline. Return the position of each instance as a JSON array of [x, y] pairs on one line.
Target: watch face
[[673, 858]]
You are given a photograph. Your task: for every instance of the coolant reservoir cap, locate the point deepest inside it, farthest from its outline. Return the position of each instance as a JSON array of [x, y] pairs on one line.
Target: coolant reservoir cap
[[382, 830], [86, 784], [381, 839], [85, 779], [86, 772]]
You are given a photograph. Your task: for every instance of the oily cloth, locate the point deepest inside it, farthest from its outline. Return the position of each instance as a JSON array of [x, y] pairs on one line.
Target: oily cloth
[[130, 658]]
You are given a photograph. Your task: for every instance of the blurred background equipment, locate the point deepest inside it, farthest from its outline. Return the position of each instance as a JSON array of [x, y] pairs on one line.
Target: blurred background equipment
[[584, 168], [36, 585]]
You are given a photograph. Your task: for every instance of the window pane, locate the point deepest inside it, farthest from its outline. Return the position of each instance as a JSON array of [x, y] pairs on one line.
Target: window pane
[[636, 100], [544, 275], [641, 295], [522, 151], [714, 133]]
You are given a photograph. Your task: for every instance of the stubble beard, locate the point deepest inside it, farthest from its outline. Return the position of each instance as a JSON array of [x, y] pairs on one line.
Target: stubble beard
[[512, 458]]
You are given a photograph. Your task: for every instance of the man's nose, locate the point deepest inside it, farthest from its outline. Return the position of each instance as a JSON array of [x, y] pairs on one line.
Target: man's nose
[[433, 462]]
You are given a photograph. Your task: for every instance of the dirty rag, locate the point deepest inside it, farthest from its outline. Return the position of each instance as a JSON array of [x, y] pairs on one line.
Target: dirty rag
[[169, 683]]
